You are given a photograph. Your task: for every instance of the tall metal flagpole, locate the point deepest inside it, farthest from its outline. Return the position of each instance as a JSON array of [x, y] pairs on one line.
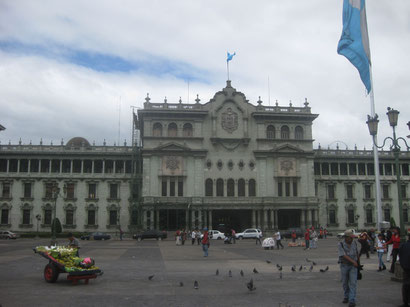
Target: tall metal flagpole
[[375, 157], [227, 66]]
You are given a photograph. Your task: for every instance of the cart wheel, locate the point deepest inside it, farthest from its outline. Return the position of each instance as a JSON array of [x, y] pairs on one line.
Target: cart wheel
[[50, 273]]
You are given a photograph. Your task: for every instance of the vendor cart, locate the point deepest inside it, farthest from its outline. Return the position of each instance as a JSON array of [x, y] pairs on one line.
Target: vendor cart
[[54, 268]]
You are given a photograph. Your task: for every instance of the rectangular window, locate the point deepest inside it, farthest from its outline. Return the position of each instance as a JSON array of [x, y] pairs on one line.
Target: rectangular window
[[69, 217], [23, 166], [331, 191], [334, 169], [113, 190], [381, 169], [295, 188], [403, 191], [45, 166], [386, 191], [317, 169], [172, 188], [332, 216], [352, 169], [92, 190], [287, 188], [370, 169], [27, 190], [387, 214], [34, 166], [6, 190], [164, 188], [350, 216], [70, 190], [113, 217], [405, 169], [180, 187], [91, 217], [349, 191], [3, 165], [280, 189], [325, 168], [47, 217], [369, 215], [367, 191], [388, 169], [343, 169], [26, 217], [4, 216], [362, 169], [405, 215], [49, 190]]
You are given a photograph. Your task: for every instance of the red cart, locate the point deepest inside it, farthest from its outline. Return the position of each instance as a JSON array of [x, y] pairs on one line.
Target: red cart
[[54, 268]]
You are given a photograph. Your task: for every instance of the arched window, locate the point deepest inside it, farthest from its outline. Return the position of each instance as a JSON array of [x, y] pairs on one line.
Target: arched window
[[252, 187], [387, 212], [299, 133], [231, 187], [284, 132], [5, 213], [172, 130], [220, 187], [187, 130], [209, 187], [157, 131], [69, 215], [47, 213], [369, 214], [113, 211], [270, 132], [241, 187], [351, 215], [91, 215]]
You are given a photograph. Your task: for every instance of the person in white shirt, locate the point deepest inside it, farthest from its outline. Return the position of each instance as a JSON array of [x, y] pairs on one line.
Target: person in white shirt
[[381, 245], [278, 239]]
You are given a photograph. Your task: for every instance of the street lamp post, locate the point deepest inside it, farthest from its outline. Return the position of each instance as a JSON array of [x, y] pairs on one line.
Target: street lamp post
[[372, 123]]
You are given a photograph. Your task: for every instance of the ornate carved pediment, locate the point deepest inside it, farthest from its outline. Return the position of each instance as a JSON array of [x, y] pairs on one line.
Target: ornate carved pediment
[[172, 147], [230, 144], [287, 148]]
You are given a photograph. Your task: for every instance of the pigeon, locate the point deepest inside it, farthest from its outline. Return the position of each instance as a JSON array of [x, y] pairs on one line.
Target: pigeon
[[314, 263], [255, 271], [242, 273], [280, 268], [300, 268], [250, 286], [217, 272], [181, 284], [311, 268], [304, 268], [230, 273], [324, 270], [151, 277], [267, 261], [196, 285], [280, 275], [293, 268]]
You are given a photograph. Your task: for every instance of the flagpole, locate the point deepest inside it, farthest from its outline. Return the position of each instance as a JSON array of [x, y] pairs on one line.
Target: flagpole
[[375, 156], [227, 66]]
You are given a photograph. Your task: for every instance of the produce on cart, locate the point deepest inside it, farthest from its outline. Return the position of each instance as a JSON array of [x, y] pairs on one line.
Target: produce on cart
[[63, 259]]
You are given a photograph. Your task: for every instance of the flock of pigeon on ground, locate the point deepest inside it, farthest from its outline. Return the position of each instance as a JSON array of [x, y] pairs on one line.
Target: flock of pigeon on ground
[[250, 284]]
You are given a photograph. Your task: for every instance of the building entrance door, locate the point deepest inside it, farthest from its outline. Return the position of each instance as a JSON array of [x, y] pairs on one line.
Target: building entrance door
[[236, 219], [288, 218], [172, 219]]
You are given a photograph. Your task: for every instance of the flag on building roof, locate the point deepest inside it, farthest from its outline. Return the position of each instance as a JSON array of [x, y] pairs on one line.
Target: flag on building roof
[[354, 43], [230, 56]]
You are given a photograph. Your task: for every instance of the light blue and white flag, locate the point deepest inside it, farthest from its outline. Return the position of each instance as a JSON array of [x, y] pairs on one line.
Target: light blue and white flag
[[230, 56], [354, 43]]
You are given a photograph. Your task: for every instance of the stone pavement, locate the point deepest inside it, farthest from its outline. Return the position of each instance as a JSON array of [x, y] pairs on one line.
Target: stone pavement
[[127, 265]]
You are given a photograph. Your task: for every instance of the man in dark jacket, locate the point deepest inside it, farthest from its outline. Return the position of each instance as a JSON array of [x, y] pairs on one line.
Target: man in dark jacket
[[404, 254]]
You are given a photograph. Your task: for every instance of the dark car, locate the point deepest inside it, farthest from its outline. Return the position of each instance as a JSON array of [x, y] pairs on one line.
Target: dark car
[[150, 234], [96, 236], [287, 233]]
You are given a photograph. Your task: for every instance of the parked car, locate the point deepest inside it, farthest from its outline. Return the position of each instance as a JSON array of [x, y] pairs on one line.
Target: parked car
[[7, 235], [150, 234], [355, 234], [251, 233], [287, 233], [96, 236], [216, 235]]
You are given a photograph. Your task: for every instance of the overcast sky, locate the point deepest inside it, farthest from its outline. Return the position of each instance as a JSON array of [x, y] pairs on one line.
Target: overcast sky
[[74, 68]]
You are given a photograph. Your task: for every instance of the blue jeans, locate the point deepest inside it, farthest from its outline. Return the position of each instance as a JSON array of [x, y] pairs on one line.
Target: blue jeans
[[349, 281], [381, 264], [205, 249]]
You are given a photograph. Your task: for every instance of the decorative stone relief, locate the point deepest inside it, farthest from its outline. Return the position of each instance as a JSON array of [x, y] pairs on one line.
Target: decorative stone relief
[[287, 167], [172, 165], [230, 120]]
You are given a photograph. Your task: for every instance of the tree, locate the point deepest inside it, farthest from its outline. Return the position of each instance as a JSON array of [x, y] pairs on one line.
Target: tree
[[57, 226], [392, 222]]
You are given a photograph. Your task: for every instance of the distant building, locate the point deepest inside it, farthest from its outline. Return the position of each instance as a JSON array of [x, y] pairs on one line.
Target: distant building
[[225, 162]]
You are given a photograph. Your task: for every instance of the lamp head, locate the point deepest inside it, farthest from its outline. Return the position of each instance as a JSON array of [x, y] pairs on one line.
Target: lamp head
[[372, 123], [393, 116]]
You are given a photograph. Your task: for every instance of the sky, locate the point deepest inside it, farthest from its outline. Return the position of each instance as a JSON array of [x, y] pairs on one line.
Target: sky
[[75, 68]]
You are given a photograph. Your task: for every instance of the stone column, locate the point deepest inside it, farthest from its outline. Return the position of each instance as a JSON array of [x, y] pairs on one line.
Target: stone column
[[253, 219], [114, 164], [157, 215], [18, 165], [276, 219], [82, 167], [71, 166], [193, 219], [49, 166], [144, 219], [265, 219], [153, 224], [200, 225], [308, 220], [29, 166], [302, 219], [313, 218], [92, 166], [8, 165], [246, 188], [187, 224], [61, 166], [103, 166], [210, 219], [272, 219]]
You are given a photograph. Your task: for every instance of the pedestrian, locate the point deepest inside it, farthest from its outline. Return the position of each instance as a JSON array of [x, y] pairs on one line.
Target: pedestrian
[[73, 243], [364, 242], [233, 236], [293, 236], [313, 238], [193, 236], [389, 245], [404, 253], [395, 240], [205, 242], [325, 233], [198, 237], [121, 233], [307, 239], [178, 237], [349, 264], [183, 236], [258, 239], [381, 246], [278, 239]]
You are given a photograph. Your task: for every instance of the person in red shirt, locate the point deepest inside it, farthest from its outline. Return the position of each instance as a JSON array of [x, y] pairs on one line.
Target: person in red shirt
[[293, 235], [307, 238], [395, 240], [205, 242]]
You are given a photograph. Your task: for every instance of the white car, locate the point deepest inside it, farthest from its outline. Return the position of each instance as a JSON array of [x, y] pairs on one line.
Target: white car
[[7, 235], [251, 233], [215, 235]]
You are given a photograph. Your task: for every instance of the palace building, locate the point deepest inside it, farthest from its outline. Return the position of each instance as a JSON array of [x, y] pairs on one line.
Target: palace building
[[224, 162]]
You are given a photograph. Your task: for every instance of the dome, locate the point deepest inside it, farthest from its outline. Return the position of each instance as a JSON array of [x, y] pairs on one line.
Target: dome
[[78, 142]]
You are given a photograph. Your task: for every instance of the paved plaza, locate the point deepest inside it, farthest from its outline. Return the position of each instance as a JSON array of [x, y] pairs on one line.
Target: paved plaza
[[127, 265]]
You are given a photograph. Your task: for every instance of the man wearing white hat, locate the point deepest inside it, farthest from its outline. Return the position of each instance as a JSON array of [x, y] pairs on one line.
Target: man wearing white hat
[[349, 264]]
